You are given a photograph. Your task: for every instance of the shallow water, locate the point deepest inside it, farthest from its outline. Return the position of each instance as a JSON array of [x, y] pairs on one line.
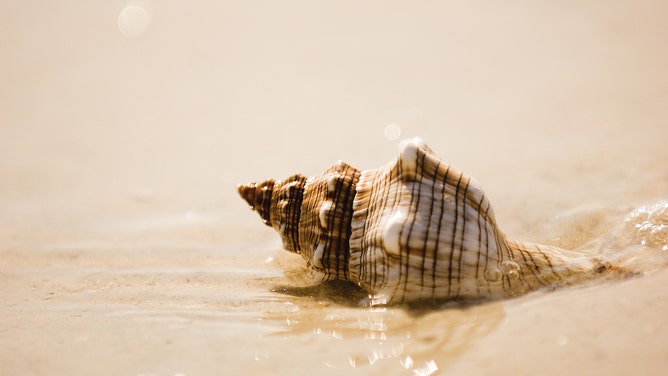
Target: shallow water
[[124, 248]]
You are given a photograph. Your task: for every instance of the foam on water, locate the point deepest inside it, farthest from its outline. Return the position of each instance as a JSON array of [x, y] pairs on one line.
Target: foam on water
[[640, 241]]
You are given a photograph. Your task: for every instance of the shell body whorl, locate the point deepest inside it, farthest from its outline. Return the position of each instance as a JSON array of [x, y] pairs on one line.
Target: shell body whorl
[[414, 229]]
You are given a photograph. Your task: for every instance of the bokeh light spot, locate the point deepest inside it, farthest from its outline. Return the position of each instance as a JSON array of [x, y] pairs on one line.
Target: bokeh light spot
[[392, 131], [134, 19]]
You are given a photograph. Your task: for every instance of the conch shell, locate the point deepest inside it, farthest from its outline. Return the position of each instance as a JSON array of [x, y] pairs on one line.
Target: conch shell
[[414, 229]]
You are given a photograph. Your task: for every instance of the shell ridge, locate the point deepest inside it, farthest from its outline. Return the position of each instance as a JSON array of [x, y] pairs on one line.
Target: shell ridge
[[461, 243], [333, 186], [338, 189], [454, 231], [426, 238], [285, 211], [425, 235], [418, 220], [389, 198], [342, 249], [361, 211], [439, 229], [477, 265], [409, 220], [345, 228], [386, 258]]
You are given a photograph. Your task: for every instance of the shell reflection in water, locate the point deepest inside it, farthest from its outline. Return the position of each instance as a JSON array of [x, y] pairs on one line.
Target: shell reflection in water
[[414, 229], [385, 340]]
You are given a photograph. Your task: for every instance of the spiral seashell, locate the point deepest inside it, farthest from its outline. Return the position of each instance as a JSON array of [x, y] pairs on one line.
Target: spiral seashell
[[414, 229]]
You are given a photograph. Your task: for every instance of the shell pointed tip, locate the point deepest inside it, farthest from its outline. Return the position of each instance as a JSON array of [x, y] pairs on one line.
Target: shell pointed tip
[[247, 192], [258, 197]]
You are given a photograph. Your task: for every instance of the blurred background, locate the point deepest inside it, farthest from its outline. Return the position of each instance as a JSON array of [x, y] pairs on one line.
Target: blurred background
[[110, 101], [126, 125]]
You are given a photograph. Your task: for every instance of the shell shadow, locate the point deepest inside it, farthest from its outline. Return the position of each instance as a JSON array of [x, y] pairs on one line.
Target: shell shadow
[[348, 294], [337, 292]]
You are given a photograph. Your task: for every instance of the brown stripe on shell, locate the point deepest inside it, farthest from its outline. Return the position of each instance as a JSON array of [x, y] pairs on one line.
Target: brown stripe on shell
[[325, 223]]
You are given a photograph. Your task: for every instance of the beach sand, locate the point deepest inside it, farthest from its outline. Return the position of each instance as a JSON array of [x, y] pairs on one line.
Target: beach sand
[[125, 127]]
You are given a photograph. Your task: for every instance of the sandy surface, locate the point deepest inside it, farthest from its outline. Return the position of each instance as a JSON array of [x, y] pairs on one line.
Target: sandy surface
[[124, 128]]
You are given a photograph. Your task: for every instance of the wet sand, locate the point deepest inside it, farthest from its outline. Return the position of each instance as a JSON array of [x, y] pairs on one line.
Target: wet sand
[[124, 248]]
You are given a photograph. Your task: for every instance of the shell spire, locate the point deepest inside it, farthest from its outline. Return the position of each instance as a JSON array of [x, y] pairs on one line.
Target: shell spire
[[414, 229], [258, 197], [279, 205]]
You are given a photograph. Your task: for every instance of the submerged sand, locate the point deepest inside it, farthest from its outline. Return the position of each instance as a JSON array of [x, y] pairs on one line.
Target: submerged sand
[[125, 250]]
